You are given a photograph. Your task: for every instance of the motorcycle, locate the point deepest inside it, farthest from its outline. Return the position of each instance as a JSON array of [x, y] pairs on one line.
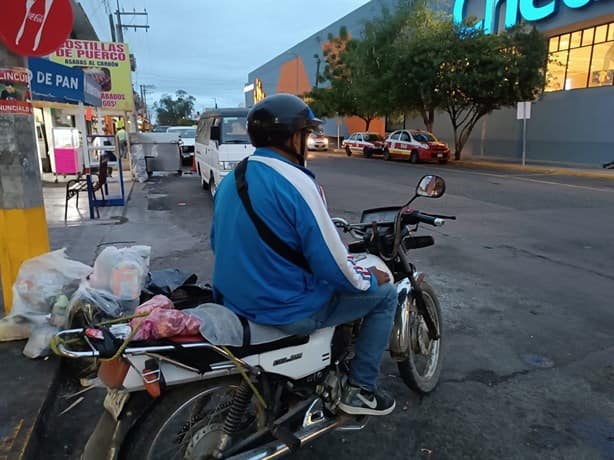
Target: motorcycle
[[195, 399]]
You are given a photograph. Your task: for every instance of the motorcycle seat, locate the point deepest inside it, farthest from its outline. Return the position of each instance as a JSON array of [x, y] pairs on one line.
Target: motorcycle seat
[[221, 326]]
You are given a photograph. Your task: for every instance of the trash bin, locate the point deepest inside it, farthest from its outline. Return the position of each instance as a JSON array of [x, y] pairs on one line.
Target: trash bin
[[161, 150]]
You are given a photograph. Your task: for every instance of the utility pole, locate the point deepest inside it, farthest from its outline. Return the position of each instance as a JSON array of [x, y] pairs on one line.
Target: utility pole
[[23, 225], [120, 27], [144, 90]]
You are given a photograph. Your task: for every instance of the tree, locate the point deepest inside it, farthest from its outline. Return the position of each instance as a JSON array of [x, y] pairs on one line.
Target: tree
[[175, 111], [480, 73], [418, 36], [351, 88]]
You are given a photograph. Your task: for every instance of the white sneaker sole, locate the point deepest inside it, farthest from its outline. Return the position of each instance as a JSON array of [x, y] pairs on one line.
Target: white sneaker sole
[[353, 410]]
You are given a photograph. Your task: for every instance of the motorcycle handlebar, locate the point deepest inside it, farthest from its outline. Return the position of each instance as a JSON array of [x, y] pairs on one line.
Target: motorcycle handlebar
[[415, 217]]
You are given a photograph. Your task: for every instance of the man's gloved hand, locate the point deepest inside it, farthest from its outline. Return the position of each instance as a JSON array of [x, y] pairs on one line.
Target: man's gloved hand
[[381, 276]]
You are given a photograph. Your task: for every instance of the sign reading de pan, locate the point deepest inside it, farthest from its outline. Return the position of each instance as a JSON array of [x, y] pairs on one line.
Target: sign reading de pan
[[528, 10]]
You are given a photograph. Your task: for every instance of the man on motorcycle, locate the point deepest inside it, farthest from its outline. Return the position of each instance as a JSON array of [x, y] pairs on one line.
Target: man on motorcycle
[[311, 282]]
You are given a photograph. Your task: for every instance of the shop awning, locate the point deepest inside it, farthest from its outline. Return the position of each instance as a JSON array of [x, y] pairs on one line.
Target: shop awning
[[59, 83]]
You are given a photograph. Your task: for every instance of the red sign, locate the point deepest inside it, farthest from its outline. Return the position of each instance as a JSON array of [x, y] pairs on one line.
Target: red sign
[[15, 91], [35, 27]]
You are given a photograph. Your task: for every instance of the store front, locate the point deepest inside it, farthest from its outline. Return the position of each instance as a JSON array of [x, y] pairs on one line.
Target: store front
[[61, 97], [570, 122]]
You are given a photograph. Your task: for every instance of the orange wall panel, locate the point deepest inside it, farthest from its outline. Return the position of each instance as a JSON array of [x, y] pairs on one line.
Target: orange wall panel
[[288, 82]]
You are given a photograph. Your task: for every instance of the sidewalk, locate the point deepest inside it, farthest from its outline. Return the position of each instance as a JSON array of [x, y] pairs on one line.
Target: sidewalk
[[33, 389], [29, 384]]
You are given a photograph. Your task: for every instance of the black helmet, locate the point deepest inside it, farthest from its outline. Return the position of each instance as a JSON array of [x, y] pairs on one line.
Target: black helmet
[[272, 121]]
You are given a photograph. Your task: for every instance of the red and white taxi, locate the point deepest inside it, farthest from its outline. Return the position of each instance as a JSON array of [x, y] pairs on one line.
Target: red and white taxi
[[366, 143], [417, 145]]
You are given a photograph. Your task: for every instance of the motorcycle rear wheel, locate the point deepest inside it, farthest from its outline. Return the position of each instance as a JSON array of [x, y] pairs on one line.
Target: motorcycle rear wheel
[[422, 369], [186, 423]]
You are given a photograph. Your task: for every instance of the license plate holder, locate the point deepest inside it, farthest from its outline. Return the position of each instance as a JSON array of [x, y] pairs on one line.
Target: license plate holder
[[440, 155], [114, 402]]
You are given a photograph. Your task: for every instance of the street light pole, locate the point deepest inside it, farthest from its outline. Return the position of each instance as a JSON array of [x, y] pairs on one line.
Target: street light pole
[[318, 61]]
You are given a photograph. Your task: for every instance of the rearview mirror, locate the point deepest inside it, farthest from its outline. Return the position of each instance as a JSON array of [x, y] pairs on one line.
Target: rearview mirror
[[431, 187]]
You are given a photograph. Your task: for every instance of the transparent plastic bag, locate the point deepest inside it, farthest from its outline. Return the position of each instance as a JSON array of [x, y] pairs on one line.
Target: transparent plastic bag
[[139, 165], [40, 281], [99, 299], [122, 272]]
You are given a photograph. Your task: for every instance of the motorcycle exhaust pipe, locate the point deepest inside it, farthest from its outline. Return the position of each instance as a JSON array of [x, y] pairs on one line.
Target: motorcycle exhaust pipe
[[278, 449]]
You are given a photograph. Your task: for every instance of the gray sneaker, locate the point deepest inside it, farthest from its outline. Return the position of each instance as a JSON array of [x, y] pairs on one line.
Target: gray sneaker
[[356, 401]]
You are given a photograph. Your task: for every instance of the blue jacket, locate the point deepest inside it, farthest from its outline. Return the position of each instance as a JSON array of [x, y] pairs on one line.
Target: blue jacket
[[254, 280]]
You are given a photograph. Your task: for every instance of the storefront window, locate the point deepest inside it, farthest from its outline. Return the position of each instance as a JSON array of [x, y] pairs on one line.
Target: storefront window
[[601, 33], [581, 59], [577, 67], [576, 39], [587, 36], [556, 71], [602, 65]]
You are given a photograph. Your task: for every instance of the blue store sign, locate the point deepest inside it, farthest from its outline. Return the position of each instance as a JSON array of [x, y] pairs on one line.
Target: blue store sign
[[528, 10], [59, 83]]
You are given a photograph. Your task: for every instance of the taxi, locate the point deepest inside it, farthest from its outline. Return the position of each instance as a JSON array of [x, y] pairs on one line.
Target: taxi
[[366, 143], [417, 146]]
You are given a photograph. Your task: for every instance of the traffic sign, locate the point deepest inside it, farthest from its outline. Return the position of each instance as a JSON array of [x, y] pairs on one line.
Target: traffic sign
[[35, 27]]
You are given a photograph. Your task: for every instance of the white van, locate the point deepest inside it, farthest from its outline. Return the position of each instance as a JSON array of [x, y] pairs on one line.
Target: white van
[[221, 143]]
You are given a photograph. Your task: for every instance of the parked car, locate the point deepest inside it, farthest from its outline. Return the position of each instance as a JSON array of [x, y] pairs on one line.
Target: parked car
[[317, 141], [221, 143], [366, 143], [416, 145], [187, 138]]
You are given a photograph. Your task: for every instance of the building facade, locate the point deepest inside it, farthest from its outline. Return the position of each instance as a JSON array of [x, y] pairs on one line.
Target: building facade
[[571, 123]]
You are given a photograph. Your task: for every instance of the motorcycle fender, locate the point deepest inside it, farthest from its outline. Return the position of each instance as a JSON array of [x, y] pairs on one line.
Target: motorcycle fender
[[399, 341], [106, 440], [421, 306]]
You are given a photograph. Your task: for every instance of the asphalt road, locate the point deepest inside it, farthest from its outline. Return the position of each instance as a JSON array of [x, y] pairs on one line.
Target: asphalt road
[[524, 277]]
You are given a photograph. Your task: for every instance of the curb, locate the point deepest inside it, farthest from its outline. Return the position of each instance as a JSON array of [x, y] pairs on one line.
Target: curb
[[24, 411], [555, 170], [32, 445]]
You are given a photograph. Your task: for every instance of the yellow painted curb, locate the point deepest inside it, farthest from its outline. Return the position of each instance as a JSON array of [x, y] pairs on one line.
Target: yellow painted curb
[[23, 235]]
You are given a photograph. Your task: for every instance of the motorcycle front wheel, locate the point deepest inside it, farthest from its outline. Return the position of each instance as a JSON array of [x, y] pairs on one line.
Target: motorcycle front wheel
[[187, 423], [421, 370]]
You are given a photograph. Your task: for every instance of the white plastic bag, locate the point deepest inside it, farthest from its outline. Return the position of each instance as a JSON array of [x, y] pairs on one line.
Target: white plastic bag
[[122, 272], [139, 165], [38, 343], [40, 281]]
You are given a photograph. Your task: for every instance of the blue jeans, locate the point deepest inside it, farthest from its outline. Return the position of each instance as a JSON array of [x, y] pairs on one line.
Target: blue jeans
[[377, 308]]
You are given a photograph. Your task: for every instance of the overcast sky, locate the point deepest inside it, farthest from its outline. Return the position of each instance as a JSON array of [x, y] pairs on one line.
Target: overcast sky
[[207, 47]]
